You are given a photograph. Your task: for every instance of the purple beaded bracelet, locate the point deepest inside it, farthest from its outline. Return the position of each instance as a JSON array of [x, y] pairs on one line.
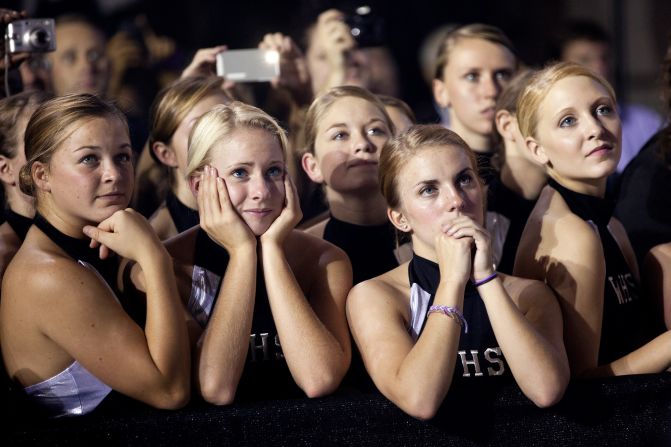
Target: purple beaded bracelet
[[451, 312], [485, 280]]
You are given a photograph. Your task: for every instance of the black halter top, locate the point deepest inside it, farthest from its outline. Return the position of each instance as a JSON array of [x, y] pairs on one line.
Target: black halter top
[[79, 250], [20, 224], [479, 354], [625, 326], [183, 216]]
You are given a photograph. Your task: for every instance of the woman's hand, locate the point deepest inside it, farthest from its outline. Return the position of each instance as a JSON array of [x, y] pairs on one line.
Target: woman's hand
[[294, 75], [465, 227], [289, 217], [218, 217], [204, 62], [127, 233], [454, 257]]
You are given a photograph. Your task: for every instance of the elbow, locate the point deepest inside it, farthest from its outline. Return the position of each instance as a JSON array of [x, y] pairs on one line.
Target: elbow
[[322, 385], [173, 399], [549, 394], [217, 393], [420, 409]]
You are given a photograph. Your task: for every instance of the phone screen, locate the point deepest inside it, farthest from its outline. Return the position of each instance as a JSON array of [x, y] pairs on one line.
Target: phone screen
[[251, 65]]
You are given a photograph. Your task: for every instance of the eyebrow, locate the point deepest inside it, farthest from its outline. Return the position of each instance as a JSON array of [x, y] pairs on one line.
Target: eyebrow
[[251, 163], [99, 148], [434, 181], [345, 125]]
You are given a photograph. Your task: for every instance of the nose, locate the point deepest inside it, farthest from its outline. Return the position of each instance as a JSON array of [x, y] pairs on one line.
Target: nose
[[455, 200], [111, 171], [490, 87], [259, 188], [361, 143], [594, 127]]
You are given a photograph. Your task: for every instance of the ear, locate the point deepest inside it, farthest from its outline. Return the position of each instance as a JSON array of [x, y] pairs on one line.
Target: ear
[[440, 94], [194, 184], [311, 167], [504, 122], [40, 174], [398, 220], [6, 171], [165, 154], [537, 151]]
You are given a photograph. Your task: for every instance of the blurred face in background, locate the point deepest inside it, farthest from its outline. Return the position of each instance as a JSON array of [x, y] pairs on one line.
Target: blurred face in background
[[79, 64]]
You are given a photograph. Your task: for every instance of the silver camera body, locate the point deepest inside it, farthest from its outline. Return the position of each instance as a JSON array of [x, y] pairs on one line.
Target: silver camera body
[[31, 35]]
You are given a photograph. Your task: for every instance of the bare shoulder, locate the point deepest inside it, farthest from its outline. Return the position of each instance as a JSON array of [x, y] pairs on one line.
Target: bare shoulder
[[182, 245], [391, 287], [528, 294], [162, 223], [661, 251], [316, 227]]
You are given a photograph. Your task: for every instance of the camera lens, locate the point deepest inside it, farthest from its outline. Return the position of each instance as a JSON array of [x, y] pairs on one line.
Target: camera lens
[[39, 38]]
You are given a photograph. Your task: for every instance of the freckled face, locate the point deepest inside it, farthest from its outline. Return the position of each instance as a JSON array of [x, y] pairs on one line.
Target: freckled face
[[435, 186], [90, 175], [252, 164], [579, 129], [347, 148]]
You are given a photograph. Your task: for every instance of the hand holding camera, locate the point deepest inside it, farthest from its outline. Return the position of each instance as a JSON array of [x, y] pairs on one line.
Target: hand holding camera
[[293, 70]]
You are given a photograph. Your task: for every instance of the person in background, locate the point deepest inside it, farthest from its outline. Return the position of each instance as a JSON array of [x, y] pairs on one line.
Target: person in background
[[474, 63], [15, 112], [400, 113]]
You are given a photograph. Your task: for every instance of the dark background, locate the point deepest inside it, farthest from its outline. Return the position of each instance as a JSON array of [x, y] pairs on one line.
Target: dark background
[[640, 28]]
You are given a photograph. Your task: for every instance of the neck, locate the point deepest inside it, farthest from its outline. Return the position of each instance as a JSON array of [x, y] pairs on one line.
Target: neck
[[359, 208], [182, 191], [523, 176], [595, 187], [20, 203], [63, 224], [478, 142]]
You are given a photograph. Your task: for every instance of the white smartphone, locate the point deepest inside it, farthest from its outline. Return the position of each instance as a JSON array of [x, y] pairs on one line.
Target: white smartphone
[[249, 65]]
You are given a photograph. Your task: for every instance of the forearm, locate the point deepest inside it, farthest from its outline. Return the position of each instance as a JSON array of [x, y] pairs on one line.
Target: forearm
[[222, 350], [653, 357], [539, 367], [432, 358], [316, 358], [165, 329]]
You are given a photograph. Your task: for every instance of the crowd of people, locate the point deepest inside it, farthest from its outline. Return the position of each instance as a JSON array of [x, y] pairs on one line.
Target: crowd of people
[[228, 246]]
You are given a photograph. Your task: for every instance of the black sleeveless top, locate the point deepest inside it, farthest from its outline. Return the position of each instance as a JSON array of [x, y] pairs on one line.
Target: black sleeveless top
[[624, 327], [20, 224], [266, 374], [182, 216], [479, 354], [370, 247], [79, 250], [516, 210]]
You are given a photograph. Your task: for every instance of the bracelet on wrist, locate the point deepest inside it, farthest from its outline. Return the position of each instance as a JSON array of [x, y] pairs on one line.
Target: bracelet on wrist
[[484, 281], [451, 312]]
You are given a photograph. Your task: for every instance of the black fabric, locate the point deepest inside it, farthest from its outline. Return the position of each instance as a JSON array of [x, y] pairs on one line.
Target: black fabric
[[516, 209], [79, 250], [20, 224], [182, 216], [625, 323], [370, 247], [485, 167], [615, 411], [479, 354], [644, 202], [266, 374]]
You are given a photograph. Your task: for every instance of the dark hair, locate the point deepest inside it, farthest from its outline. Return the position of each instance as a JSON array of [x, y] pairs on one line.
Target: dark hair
[[577, 30], [11, 109], [53, 122]]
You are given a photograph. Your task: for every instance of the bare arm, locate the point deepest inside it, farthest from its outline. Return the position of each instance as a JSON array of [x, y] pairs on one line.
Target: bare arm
[[312, 329], [657, 279], [151, 365]]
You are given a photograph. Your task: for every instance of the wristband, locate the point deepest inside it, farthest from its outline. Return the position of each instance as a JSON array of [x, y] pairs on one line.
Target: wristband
[[485, 280], [451, 312]]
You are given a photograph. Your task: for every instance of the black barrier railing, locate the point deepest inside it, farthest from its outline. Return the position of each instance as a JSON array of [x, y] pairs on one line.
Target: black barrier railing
[[622, 411]]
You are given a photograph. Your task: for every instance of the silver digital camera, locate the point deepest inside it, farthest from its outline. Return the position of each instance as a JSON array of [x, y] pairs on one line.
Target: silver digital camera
[[31, 35]]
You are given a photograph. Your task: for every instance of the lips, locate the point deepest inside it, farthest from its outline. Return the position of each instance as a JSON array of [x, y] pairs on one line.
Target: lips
[[258, 212], [600, 150], [361, 163], [488, 113]]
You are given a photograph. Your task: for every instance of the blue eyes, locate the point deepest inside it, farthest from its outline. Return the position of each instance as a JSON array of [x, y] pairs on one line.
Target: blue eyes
[[602, 110], [373, 131], [94, 159], [272, 172], [567, 122], [464, 179]]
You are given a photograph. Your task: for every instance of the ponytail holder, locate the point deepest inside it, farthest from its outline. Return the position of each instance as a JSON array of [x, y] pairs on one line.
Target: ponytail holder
[[485, 280]]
